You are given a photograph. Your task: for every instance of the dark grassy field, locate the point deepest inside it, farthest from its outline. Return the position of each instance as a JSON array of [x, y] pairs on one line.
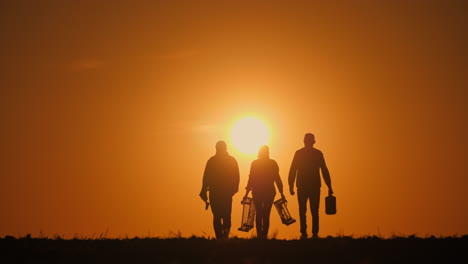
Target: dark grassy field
[[200, 250]]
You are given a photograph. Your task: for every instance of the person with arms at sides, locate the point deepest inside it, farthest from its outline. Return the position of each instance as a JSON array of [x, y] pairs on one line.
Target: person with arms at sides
[[306, 166], [264, 173]]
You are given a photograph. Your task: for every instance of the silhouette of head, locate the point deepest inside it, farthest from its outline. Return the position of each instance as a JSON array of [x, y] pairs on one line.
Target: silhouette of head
[[221, 146], [309, 140], [264, 152]]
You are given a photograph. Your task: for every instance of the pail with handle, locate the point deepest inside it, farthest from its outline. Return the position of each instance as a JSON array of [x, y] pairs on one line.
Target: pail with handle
[[330, 205]]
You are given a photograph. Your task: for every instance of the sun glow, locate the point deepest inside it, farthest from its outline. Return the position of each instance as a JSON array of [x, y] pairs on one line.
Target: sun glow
[[248, 134]]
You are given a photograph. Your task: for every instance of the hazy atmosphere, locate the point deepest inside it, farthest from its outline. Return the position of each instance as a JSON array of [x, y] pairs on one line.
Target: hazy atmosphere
[[111, 109]]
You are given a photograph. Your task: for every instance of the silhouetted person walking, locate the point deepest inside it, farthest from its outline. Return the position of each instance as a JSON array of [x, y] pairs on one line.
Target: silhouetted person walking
[[221, 180], [264, 173], [306, 166]]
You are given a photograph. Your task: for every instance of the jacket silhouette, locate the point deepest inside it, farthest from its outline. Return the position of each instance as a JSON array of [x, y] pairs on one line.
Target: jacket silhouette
[[221, 180], [264, 173], [305, 170]]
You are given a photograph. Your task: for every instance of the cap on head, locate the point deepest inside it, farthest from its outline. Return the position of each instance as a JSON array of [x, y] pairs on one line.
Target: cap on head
[[221, 146], [309, 139]]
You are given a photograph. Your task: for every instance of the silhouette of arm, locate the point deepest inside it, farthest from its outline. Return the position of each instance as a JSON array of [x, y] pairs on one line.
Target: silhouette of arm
[[277, 178], [326, 175], [236, 177], [248, 188], [205, 181], [292, 174], [249, 182]]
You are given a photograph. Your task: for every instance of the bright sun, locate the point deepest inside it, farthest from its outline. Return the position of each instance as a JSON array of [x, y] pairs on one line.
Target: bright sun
[[248, 134]]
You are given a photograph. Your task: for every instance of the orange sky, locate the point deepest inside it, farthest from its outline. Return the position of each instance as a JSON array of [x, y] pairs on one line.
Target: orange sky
[[110, 110]]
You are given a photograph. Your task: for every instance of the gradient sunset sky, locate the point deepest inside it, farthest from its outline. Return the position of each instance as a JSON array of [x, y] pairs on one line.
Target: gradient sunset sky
[[110, 109]]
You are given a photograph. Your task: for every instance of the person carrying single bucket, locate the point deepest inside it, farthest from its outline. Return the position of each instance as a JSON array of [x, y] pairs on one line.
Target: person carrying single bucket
[[221, 180], [306, 166], [264, 173]]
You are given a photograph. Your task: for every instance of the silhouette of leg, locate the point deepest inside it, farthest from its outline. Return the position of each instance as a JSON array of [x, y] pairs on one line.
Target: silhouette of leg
[[302, 197], [221, 208], [314, 208], [263, 203], [264, 232], [266, 220], [227, 208], [259, 223], [217, 226], [259, 217]]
